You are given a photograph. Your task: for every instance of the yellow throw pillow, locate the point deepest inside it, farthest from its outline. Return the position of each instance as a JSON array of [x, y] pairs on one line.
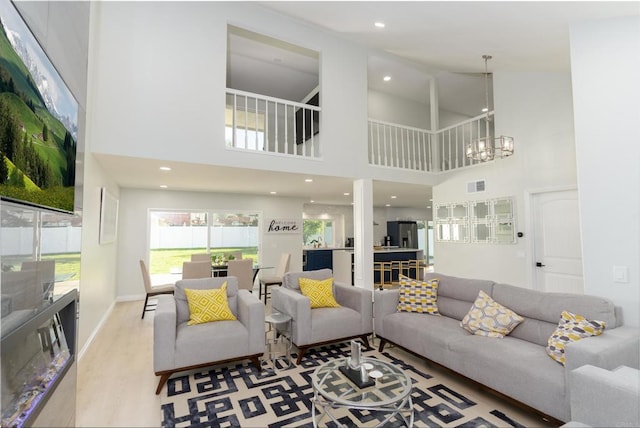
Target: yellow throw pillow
[[208, 305], [571, 328], [418, 296], [319, 292], [489, 318]]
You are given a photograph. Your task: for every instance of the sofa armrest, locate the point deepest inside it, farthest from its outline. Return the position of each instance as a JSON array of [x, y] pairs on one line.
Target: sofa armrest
[[613, 348], [251, 315], [602, 398], [164, 333], [297, 306], [385, 302], [358, 299]]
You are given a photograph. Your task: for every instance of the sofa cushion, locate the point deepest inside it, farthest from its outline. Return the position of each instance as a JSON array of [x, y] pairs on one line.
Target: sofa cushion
[[456, 295], [514, 367], [489, 318], [208, 305], [291, 280], [571, 328], [182, 307], [542, 310], [418, 296], [200, 343], [319, 292]]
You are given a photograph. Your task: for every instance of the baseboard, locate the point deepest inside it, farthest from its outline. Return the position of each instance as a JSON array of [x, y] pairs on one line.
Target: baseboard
[[93, 335], [130, 298]]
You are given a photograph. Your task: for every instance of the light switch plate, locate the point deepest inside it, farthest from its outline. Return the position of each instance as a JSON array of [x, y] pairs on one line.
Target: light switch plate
[[621, 274]]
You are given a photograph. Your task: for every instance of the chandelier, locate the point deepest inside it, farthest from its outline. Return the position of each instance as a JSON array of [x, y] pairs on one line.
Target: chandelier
[[488, 147]]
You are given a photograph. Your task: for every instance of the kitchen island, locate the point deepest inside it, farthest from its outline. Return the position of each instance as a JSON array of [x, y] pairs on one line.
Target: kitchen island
[[343, 265]]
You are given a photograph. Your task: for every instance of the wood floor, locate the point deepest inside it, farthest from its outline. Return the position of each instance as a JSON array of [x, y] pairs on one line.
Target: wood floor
[[116, 383]]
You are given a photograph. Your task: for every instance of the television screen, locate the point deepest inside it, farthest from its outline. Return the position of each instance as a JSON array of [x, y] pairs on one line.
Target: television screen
[[38, 120], [305, 128]]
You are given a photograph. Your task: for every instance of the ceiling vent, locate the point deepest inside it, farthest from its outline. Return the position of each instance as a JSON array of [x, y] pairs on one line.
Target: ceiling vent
[[476, 186]]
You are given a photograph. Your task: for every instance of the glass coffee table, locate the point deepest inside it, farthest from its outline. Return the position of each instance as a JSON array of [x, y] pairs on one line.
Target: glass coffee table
[[391, 392]]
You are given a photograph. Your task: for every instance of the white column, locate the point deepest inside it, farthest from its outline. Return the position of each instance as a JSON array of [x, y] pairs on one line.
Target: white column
[[363, 233]]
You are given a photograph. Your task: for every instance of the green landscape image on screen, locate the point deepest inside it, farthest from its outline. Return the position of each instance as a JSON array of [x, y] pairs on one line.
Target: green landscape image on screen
[[38, 120]]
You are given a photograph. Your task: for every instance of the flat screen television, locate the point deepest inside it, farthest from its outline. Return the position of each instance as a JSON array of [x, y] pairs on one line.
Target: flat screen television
[[38, 121], [304, 129]]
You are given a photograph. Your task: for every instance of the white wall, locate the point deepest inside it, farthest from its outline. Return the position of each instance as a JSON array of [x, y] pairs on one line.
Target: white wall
[[394, 109], [535, 109], [160, 91], [133, 239], [605, 60]]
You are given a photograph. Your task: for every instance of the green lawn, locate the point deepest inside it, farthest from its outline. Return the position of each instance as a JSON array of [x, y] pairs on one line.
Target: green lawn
[[162, 261]]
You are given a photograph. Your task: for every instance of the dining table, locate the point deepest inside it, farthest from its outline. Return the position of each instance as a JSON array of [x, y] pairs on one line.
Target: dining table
[[221, 270]]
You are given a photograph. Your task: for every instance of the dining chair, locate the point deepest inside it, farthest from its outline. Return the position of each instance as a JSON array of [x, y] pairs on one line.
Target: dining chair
[[193, 270], [243, 270], [201, 257], [152, 290], [266, 281]]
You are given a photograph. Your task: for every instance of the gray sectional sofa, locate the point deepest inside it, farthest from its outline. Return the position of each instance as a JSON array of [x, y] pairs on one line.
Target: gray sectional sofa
[[516, 365]]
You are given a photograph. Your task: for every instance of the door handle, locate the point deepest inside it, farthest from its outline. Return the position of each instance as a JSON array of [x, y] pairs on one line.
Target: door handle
[[539, 264]]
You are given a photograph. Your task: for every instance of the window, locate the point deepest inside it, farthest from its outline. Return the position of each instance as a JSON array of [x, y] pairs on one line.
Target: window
[[175, 235], [318, 232], [249, 129]]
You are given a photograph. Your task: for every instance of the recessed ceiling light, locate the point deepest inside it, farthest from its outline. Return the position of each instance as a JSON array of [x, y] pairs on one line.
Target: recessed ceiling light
[[165, 168], [163, 186], [312, 201], [379, 24], [346, 193], [428, 206], [387, 205], [386, 78], [484, 110], [393, 196], [308, 180], [273, 193]]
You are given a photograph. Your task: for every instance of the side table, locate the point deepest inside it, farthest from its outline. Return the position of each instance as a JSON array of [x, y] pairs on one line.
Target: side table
[[278, 336]]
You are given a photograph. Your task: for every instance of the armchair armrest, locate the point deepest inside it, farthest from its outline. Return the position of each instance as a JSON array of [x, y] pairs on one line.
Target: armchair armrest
[[164, 333], [385, 303], [251, 315], [358, 299], [601, 397], [616, 347], [298, 307]]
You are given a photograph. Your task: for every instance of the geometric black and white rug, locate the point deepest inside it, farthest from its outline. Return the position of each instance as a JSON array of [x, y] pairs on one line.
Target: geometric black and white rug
[[237, 395]]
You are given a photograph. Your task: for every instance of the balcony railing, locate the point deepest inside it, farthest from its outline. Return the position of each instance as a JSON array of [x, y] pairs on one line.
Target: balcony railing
[[272, 125], [398, 146], [266, 124]]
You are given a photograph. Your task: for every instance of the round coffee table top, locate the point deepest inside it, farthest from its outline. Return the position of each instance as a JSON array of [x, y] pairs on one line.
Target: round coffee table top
[[391, 384]]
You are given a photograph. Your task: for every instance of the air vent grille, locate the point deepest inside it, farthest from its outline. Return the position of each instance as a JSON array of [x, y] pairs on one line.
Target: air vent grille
[[476, 186]]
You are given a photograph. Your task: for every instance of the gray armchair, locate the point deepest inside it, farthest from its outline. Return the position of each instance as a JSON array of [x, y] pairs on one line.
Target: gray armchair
[[179, 347], [314, 327]]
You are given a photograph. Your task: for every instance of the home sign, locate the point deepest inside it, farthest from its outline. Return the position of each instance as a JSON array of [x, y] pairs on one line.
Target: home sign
[[284, 225]]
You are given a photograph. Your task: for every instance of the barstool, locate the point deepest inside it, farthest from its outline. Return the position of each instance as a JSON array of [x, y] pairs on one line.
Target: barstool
[[418, 267], [382, 268]]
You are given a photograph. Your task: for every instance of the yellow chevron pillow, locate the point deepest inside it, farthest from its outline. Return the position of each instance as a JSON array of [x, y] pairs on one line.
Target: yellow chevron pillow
[[208, 305], [571, 328], [418, 296], [319, 292], [489, 318]]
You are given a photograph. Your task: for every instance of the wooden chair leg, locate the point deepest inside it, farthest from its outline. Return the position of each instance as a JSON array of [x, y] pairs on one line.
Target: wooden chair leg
[[365, 341], [381, 346], [163, 379], [144, 308], [256, 362], [301, 353]]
